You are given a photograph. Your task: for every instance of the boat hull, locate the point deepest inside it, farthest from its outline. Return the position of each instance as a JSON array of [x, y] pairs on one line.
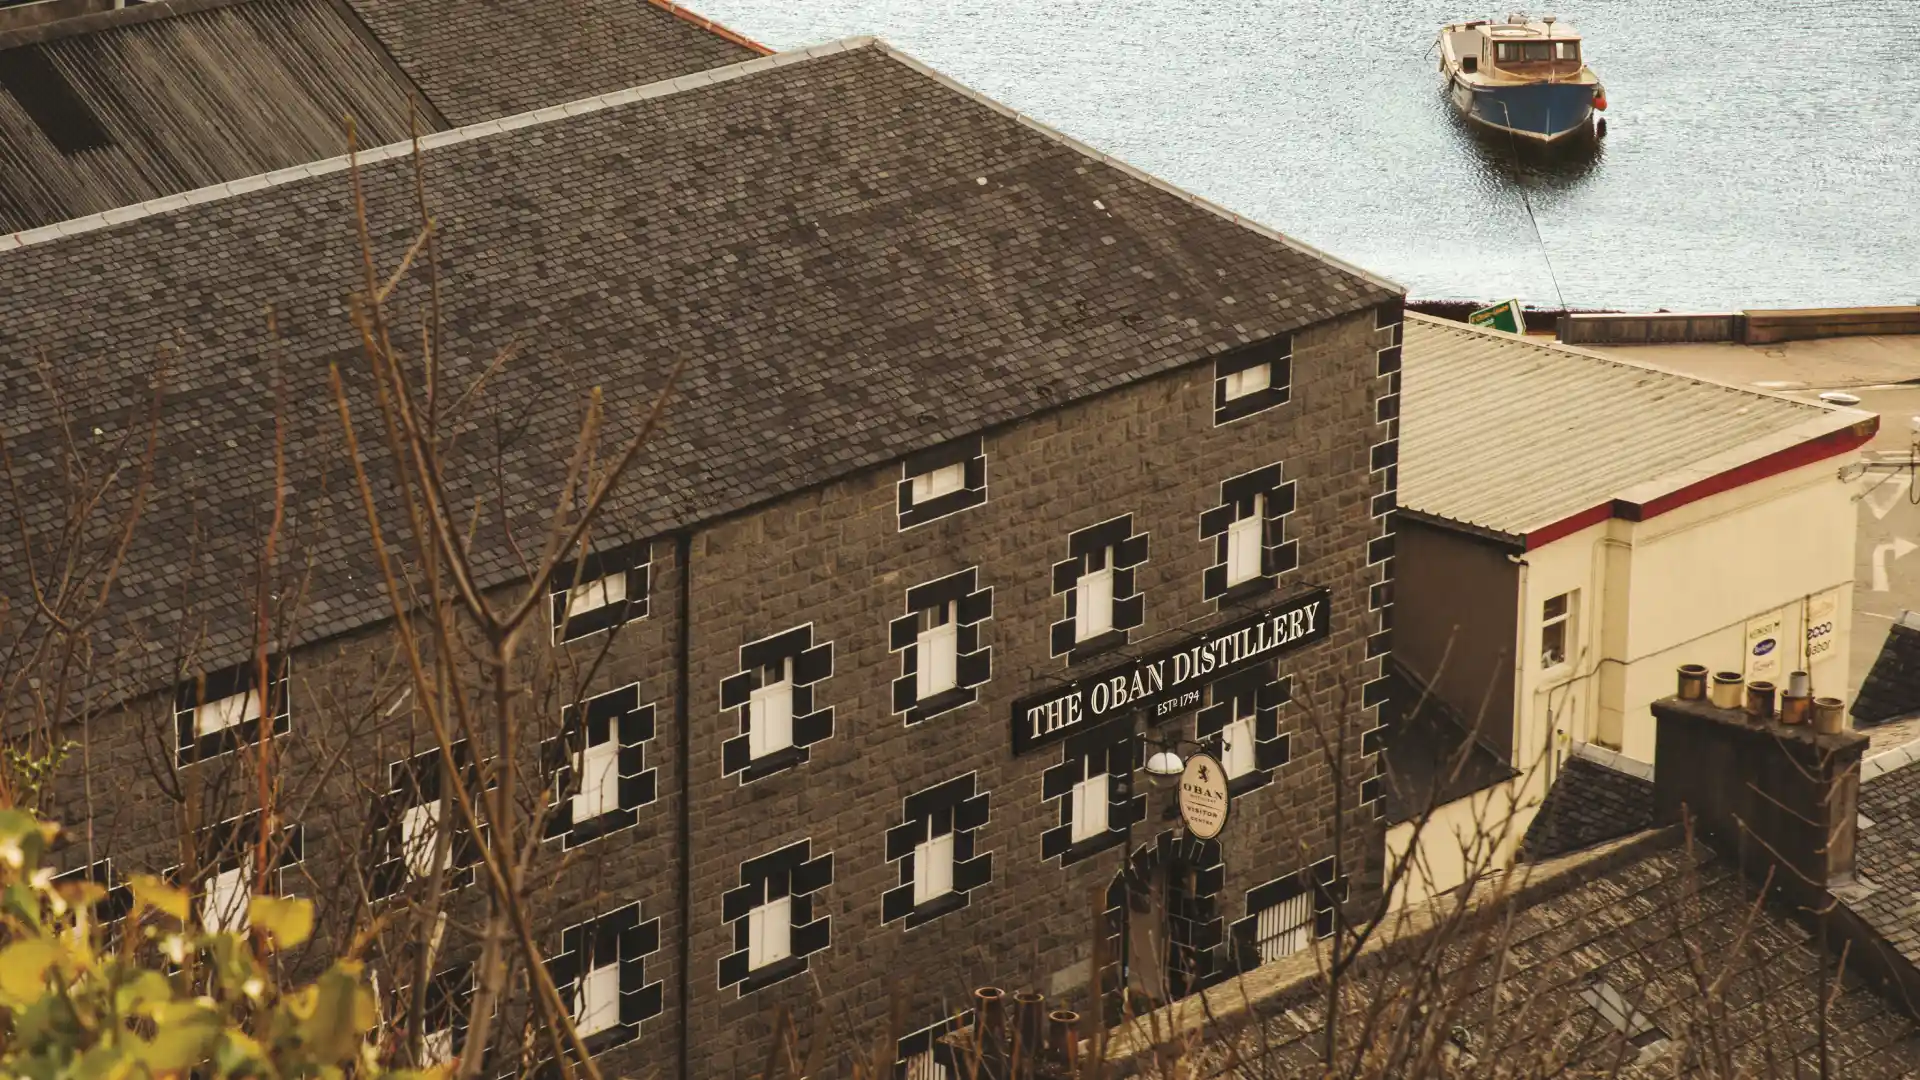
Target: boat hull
[[1540, 111]]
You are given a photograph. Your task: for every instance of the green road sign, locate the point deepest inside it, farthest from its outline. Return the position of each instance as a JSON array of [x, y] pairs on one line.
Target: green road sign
[[1502, 316]]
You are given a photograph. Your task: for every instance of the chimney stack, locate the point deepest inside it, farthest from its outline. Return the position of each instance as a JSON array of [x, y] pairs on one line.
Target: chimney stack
[[1763, 792]]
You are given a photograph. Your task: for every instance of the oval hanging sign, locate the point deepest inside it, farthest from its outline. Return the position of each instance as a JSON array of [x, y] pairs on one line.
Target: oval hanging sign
[[1203, 797]]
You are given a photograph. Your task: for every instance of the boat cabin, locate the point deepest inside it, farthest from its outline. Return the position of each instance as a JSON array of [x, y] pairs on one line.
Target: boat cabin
[[1525, 48]]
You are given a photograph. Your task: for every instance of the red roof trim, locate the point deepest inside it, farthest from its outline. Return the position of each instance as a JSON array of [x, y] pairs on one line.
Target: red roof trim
[[1833, 443], [710, 26]]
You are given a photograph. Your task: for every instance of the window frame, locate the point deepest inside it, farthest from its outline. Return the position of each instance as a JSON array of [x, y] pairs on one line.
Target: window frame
[[969, 454], [1262, 495], [791, 872], [225, 684], [1109, 748], [1275, 355], [412, 783], [629, 724], [620, 939], [1123, 551], [1567, 623], [972, 608], [805, 665], [632, 562], [955, 809], [1258, 694]]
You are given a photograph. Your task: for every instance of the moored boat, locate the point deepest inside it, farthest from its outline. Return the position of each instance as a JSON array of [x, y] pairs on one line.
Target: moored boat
[[1523, 76]]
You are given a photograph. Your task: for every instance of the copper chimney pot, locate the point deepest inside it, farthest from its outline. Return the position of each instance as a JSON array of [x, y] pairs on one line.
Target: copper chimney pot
[[1795, 710], [1728, 689], [1760, 699], [1693, 682], [990, 1019], [1829, 715], [1063, 1038], [1030, 1012]]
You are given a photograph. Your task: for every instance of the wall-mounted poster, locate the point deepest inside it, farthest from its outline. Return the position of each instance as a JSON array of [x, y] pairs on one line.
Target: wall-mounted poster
[[1823, 614], [1763, 647]]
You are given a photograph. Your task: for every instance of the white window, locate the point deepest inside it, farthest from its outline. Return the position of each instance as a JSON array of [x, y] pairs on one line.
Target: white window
[[1090, 807], [944, 480], [419, 835], [596, 1000], [1244, 540], [1556, 628], [936, 665], [1284, 928], [1093, 597], [1249, 381], [227, 712], [770, 933], [224, 907], [594, 595], [436, 1047], [932, 869], [923, 1066], [770, 711], [1237, 740], [598, 770]]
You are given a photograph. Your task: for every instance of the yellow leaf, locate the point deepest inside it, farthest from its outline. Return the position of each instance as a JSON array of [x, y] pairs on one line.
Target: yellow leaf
[[23, 968], [151, 892], [289, 922]]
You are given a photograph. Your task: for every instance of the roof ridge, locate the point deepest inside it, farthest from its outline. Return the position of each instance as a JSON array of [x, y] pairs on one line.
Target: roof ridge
[[1132, 171], [434, 141], [1556, 346], [723, 32]]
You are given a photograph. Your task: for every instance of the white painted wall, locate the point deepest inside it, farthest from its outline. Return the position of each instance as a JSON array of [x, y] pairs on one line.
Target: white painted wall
[[1652, 595]]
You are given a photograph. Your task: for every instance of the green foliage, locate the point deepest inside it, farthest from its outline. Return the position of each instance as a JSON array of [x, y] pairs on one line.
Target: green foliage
[[168, 1000]]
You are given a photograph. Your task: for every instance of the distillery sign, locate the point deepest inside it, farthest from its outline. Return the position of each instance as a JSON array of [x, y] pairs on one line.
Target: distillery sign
[[1167, 682]]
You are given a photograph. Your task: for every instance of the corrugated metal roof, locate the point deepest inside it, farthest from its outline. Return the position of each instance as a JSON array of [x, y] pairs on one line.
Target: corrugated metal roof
[[1510, 435]]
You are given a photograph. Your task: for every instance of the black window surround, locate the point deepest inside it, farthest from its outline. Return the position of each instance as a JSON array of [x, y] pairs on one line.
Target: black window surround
[[449, 996], [1257, 691], [221, 692], [956, 598], [926, 1044], [969, 455], [1109, 748], [1276, 355], [1329, 888], [617, 715], [793, 871], [952, 808], [1112, 546], [793, 653], [417, 782], [1263, 490], [617, 937], [633, 561], [231, 844], [117, 904]]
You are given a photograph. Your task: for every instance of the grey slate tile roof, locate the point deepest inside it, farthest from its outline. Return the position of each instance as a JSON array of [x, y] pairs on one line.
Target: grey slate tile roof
[[1887, 855], [1515, 1000], [1588, 804], [1891, 689], [175, 96], [477, 61], [856, 258]]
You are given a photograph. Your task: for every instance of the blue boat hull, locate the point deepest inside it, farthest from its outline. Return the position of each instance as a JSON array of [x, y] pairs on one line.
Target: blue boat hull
[[1543, 111]]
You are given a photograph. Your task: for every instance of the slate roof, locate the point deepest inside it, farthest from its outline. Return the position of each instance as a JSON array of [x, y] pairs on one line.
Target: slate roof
[[1891, 689], [856, 258], [1887, 852], [1512, 435], [1424, 740], [1589, 803], [124, 106], [478, 61], [1636, 919]]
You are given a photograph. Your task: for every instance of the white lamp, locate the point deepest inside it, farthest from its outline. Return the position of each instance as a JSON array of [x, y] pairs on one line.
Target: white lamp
[[1165, 763]]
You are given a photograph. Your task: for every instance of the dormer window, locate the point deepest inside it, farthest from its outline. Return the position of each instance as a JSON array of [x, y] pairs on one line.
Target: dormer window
[[600, 592], [942, 481]]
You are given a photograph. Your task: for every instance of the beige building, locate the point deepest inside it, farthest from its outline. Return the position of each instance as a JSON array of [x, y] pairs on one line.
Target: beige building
[[1572, 527]]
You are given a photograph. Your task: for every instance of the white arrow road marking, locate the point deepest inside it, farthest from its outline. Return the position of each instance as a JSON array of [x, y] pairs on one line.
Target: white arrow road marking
[[1881, 499], [1900, 547]]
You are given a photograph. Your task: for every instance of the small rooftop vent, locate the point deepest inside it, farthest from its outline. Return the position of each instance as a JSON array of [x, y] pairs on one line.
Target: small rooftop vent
[[1839, 397], [1621, 1015]]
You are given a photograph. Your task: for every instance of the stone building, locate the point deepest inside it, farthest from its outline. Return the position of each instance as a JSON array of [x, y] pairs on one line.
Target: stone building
[[995, 467]]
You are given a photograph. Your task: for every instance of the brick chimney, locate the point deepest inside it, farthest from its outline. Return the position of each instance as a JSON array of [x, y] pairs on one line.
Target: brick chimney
[[1769, 794]]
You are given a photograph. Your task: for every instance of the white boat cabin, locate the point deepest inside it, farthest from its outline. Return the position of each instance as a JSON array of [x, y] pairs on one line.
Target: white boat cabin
[[1520, 48]]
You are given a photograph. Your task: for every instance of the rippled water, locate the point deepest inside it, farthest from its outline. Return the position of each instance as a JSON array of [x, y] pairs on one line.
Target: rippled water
[[1760, 152]]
